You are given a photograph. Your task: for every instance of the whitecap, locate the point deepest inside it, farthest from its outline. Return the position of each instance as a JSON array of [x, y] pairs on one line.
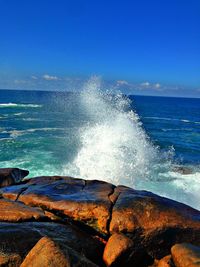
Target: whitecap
[[16, 133], [19, 105], [185, 121]]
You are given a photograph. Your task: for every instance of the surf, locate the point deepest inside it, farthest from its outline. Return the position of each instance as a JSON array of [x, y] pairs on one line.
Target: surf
[[114, 147]]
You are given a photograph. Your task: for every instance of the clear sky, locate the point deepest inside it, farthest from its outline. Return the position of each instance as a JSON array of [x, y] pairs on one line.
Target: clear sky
[[143, 47]]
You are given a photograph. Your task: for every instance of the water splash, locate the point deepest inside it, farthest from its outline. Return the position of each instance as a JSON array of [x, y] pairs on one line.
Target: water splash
[[114, 147]]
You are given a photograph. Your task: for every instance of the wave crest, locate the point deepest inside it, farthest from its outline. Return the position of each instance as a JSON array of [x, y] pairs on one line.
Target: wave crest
[[114, 147]]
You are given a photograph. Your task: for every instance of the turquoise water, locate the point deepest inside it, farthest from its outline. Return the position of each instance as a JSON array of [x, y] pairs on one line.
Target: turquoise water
[[94, 134]]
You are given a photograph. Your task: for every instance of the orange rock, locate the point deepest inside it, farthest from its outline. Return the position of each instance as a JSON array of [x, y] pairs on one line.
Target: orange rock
[[47, 253], [186, 255], [116, 247], [14, 211], [165, 262], [21, 237], [153, 222], [84, 201], [9, 176]]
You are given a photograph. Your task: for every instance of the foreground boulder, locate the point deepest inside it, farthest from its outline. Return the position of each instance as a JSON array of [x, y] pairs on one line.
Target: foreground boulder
[[20, 238], [47, 253], [81, 200], [9, 176], [116, 250], [93, 222], [152, 222], [186, 255]]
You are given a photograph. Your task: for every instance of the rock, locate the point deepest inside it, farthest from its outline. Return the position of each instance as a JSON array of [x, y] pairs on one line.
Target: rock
[[182, 170], [116, 250], [165, 262], [154, 223], [48, 253], [81, 215], [14, 211], [9, 176], [10, 260], [186, 255], [83, 201], [20, 238]]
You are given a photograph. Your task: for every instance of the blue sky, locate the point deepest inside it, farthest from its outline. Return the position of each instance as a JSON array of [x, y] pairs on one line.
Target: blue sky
[[142, 47]]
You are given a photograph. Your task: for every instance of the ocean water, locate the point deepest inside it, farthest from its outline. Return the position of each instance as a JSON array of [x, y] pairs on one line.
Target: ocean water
[[136, 141]]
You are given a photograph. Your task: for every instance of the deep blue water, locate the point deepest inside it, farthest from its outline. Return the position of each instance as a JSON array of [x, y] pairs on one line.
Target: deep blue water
[[169, 121], [172, 121], [55, 133]]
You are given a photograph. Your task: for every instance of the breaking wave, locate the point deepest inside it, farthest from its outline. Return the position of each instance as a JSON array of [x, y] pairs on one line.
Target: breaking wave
[[114, 146]]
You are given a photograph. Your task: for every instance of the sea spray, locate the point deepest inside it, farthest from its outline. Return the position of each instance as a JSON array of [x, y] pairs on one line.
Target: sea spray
[[114, 147]]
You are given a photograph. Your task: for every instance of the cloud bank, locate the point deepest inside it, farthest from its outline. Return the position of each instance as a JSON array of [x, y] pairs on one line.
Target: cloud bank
[[52, 82]]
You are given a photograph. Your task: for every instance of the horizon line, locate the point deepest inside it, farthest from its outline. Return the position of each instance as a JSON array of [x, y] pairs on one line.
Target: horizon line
[[78, 91]]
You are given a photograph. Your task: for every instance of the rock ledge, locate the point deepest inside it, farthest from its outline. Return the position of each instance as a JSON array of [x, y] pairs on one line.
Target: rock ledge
[[91, 223]]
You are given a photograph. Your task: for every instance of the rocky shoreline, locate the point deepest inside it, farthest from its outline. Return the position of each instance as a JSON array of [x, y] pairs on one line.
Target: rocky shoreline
[[64, 221]]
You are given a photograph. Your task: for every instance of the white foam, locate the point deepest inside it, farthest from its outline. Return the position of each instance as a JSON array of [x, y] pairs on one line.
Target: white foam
[[185, 121], [31, 119], [114, 146], [172, 119], [15, 105], [16, 133], [161, 118], [18, 114]]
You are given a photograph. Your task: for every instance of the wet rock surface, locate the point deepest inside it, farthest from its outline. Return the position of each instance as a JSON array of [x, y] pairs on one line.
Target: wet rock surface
[[89, 223], [83, 201], [154, 223], [186, 255], [9, 176], [10, 259], [12, 211]]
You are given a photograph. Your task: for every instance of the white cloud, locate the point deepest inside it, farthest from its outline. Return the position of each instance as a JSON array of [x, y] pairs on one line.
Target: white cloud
[[48, 77], [34, 77], [148, 85], [145, 84], [122, 82], [157, 85]]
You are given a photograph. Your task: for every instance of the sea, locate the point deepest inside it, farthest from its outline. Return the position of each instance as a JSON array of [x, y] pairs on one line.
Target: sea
[[148, 143]]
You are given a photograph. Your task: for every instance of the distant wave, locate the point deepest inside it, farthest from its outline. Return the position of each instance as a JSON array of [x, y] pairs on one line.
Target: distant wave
[[176, 129], [160, 118], [15, 105], [171, 119], [31, 119], [16, 133], [18, 114]]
